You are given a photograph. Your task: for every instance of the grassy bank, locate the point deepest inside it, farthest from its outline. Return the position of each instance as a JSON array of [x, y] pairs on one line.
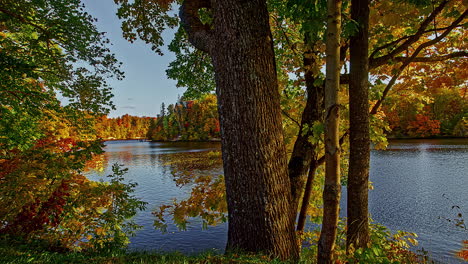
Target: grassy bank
[[17, 254], [11, 253]]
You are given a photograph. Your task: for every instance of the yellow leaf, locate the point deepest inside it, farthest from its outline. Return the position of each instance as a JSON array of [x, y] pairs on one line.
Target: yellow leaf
[[99, 231], [413, 241]]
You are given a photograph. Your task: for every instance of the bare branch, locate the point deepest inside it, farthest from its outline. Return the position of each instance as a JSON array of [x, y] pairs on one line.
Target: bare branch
[[321, 160]]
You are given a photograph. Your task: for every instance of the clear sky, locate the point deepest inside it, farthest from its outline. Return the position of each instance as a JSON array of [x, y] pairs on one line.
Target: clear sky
[[145, 85]]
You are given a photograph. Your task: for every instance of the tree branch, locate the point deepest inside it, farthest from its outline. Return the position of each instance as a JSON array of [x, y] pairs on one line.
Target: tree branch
[[392, 43], [413, 57], [375, 62], [457, 54], [406, 62], [286, 37], [199, 34], [290, 117], [344, 78], [343, 50], [23, 20], [321, 160]]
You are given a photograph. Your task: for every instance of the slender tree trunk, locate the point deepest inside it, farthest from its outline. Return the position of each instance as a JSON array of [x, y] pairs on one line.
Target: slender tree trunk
[[332, 190], [307, 194], [304, 152], [255, 165], [358, 175], [299, 162], [315, 104]]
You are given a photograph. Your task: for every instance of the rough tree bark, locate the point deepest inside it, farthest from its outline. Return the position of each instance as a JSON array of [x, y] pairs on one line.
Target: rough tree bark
[[358, 174], [332, 189], [255, 166]]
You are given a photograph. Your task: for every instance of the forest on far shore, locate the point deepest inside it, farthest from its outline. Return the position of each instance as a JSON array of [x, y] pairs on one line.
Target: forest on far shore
[[435, 112]]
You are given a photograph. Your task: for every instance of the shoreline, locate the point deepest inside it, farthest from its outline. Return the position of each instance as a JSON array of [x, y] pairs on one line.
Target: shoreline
[[180, 140], [219, 140], [149, 140], [433, 137]]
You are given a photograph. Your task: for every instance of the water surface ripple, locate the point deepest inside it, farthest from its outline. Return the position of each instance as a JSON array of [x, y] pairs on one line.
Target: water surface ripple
[[416, 184]]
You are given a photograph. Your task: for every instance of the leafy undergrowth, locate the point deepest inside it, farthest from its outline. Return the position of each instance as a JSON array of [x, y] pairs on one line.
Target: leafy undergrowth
[[385, 247]]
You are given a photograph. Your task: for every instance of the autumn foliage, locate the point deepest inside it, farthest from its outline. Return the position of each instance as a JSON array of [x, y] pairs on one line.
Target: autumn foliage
[[124, 127], [207, 198], [463, 253], [187, 120], [418, 113], [54, 67], [46, 198]]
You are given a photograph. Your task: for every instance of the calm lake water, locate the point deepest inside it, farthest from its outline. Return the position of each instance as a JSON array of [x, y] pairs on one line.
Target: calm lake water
[[416, 184]]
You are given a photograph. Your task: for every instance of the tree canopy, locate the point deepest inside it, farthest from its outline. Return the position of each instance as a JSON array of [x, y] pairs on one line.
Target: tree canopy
[[54, 67], [51, 54]]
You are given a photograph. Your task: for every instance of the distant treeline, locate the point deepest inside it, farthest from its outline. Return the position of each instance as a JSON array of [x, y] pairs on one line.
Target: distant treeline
[[125, 127], [440, 111], [187, 120]]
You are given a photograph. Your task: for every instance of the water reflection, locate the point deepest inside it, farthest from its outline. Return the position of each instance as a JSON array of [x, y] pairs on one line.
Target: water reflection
[[153, 166], [410, 179]]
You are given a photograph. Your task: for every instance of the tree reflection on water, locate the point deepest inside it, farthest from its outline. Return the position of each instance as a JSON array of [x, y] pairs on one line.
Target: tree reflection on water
[[203, 172]]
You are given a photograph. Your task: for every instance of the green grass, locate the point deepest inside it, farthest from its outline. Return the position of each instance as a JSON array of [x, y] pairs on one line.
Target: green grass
[[14, 254]]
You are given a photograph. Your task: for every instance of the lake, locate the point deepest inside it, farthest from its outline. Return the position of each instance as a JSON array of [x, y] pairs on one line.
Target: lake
[[417, 186]]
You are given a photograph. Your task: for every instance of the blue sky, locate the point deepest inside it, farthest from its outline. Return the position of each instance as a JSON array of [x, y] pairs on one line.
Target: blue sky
[[145, 85]]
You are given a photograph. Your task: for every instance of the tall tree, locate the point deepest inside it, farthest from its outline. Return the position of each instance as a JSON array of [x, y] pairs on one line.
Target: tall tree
[[332, 189], [258, 191], [358, 173], [391, 38]]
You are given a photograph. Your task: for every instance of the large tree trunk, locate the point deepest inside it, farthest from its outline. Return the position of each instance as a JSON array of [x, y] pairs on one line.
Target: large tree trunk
[[358, 175], [255, 166], [332, 189]]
